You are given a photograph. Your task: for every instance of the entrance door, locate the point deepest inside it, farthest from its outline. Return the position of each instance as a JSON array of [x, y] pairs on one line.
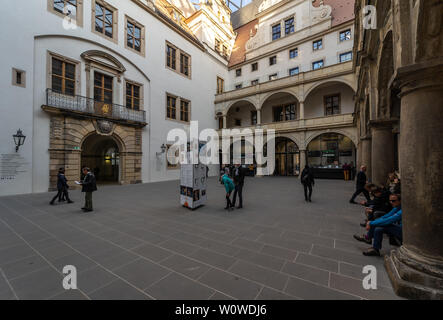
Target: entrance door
[[287, 158], [101, 155]]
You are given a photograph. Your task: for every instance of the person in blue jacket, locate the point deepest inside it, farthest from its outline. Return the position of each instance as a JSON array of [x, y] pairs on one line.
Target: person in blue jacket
[[389, 224], [229, 187]]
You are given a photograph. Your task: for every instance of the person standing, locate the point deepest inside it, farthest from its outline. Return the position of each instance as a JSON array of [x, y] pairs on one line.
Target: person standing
[[88, 186], [361, 182], [239, 180], [62, 187], [307, 179], [229, 187], [345, 168]]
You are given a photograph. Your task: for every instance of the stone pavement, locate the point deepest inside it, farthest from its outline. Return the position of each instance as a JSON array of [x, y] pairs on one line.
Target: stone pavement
[[139, 243]]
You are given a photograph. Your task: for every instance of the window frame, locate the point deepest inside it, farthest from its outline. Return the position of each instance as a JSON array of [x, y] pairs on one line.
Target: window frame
[[317, 61], [316, 41], [237, 73], [271, 59], [254, 117], [271, 75], [114, 20], [290, 69], [176, 98], [220, 89], [188, 57], [63, 76], [15, 72], [342, 32], [79, 13], [325, 107], [135, 23], [340, 55], [293, 25], [103, 88], [255, 82], [188, 111], [238, 86], [178, 60], [283, 107], [141, 101], [252, 66], [274, 33], [296, 53], [49, 56]]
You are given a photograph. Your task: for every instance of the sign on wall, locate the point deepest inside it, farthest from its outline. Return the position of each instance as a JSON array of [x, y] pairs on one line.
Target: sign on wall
[[11, 165]]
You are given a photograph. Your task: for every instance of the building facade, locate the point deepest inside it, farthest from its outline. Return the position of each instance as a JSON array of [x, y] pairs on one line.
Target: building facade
[[100, 83], [399, 107], [291, 70]]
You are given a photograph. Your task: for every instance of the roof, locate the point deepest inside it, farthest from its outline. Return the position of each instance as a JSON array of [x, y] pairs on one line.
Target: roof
[[238, 54], [342, 11]]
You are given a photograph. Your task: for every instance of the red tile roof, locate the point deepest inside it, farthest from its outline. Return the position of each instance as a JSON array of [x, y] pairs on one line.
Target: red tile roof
[[342, 10]]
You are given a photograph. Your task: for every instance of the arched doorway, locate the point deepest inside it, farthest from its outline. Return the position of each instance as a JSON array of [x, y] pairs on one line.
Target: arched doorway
[[102, 155], [287, 157], [327, 154]]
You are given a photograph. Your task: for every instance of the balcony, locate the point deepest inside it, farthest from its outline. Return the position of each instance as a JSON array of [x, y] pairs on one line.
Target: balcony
[[88, 107], [305, 124]]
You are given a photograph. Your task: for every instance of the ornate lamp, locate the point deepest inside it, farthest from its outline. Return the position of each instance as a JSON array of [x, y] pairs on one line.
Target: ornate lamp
[[19, 139], [163, 150]]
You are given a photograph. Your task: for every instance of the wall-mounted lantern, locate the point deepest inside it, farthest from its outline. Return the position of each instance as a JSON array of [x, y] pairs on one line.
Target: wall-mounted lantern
[[19, 139], [163, 150]]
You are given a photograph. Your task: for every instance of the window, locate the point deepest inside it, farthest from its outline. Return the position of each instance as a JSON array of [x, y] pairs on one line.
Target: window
[[254, 82], [135, 34], [102, 87], [63, 76], [345, 35], [346, 56], [133, 96], [171, 107], [220, 85], [272, 60], [276, 32], [293, 53], [72, 9], [285, 113], [317, 45], [253, 117], [184, 110], [238, 86], [18, 78], [238, 122], [272, 77], [105, 17], [294, 71], [254, 66], [289, 26], [317, 65], [225, 51], [184, 64], [238, 72], [217, 45], [170, 56], [332, 105]]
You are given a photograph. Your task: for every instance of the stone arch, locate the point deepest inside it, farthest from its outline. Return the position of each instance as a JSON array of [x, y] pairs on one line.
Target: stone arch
[[266, 96], [385, 72], [320, 83], [316, 134], [231, 104], [292, 137]]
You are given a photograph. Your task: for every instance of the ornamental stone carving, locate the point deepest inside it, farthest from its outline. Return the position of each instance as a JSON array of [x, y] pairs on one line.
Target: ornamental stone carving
[[320, 13]]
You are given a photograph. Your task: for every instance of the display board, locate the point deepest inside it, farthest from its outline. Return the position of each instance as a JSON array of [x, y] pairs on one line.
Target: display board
[[193, 182]]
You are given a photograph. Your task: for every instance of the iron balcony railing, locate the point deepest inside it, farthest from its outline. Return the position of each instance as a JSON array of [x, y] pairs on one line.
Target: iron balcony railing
[[90, 106]]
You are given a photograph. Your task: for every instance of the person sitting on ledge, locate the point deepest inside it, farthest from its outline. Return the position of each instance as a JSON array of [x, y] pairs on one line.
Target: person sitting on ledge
[[378, 206], [389, 224]]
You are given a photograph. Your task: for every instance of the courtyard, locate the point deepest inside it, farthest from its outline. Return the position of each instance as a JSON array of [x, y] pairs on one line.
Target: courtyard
[[139, 243]]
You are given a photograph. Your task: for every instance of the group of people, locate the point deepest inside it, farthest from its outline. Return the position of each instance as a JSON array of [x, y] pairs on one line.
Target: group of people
[[383, 212], [233, 178], [88, 183]]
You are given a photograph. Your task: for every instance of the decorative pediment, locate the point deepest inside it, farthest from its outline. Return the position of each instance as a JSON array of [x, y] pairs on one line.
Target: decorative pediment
[[320, 13], [103, 58], [267, 4]]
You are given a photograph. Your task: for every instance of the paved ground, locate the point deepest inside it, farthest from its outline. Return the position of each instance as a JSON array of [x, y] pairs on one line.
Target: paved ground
[[140, 244]]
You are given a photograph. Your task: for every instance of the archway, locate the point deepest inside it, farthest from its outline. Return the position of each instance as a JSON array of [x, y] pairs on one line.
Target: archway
[[102, 155], [241, 114], [280, 107], [287, 157], [328, 152]]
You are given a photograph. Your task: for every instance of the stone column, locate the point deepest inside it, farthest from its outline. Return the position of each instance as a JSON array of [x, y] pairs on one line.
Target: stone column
[[224, 122], [366, 158], [359, 156], [383, 153], [259, 117], [416, 269], [303, 162], [302, 110]]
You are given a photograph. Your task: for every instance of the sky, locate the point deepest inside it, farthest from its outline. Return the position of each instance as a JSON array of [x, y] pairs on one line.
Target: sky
[[238, 2]]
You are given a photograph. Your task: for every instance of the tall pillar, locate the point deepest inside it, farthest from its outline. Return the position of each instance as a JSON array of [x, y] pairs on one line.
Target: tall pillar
[[359, 155], [383, 153], [259, 117], [416, 269], [302, 110], [366, 158], [224, 122], [302, 161]]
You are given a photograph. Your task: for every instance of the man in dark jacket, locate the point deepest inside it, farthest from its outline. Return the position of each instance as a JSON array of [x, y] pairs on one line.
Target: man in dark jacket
[[361, 182], [378, 206], [239, 180], [307, 179], [62, 187], [88, 186]]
